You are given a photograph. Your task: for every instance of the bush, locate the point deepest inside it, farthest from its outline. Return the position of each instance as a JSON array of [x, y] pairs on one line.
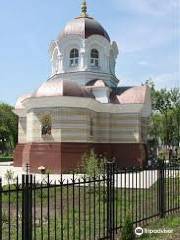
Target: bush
[[4, 216], [9, 176], [128, 229], [93, 164], [6, 159]]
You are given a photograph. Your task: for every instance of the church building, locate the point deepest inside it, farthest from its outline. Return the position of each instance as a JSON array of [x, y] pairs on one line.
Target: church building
[[82, 106]]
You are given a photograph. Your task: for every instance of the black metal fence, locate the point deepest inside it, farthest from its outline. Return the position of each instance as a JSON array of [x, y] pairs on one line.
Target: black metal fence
[[81, 207]]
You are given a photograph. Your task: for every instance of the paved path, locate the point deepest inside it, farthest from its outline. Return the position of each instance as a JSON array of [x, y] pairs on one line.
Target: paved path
[[144, 179]]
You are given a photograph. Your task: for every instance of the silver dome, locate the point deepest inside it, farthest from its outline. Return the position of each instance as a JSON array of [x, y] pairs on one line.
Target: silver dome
[[84, 27]]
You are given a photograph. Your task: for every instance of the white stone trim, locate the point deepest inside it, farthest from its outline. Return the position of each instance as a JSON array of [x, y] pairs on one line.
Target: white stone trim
[[80, 102], [84, 46]]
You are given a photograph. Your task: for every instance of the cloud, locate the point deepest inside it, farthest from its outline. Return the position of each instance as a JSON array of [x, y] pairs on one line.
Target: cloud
[[138, 30], [167, 80], [143, 63], [164, 80], [142, 36], [151, 7]]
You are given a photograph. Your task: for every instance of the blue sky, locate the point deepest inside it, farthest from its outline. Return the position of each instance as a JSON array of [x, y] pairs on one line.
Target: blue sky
[[147, 33]]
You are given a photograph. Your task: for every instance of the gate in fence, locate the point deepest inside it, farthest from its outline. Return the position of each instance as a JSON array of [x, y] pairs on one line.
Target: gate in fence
[[80, 207]]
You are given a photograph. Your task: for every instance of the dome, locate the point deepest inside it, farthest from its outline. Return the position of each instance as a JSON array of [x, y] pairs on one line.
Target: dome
[[60, 87], [84, 27]]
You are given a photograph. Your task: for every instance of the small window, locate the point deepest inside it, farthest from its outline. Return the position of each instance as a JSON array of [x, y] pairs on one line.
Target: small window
[[74, 57], [91, 127], [46, 125], [94, 58]]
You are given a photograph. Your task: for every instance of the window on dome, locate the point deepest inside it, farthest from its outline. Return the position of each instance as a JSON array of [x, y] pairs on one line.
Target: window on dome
[[74, 57], [94, 58]]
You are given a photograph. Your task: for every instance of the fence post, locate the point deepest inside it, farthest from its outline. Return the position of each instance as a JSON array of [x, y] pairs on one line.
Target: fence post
[[110, 201], [1, 223], [27, 207], [162, 207]]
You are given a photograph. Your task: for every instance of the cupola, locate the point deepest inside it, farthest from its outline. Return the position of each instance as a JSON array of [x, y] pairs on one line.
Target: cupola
[[83, 51], [84, 26]]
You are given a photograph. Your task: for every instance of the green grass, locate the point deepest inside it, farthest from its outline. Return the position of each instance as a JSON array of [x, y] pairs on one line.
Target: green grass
[[169, 222], [89, 208]]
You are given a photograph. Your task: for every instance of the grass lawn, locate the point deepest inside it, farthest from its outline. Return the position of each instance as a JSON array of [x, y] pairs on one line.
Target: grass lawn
[[80, 212], [170, 222]]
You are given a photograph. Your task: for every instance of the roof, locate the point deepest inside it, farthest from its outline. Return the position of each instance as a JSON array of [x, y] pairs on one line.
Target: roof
[[57, 86], [60, 87], [129, 95], [84, 27]]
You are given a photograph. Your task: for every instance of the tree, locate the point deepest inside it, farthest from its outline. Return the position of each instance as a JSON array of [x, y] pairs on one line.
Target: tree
[[163, 104], [93, 164], [8, 128], [165, 121], [175, 99], [155, 130]]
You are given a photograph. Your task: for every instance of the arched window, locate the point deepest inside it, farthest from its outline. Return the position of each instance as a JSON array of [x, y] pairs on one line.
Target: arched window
[[55, 62], [94, 58], [46, 125], [74, 57]]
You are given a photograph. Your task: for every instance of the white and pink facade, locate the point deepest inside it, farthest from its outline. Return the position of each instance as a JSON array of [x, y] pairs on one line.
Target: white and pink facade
[[81, 106]]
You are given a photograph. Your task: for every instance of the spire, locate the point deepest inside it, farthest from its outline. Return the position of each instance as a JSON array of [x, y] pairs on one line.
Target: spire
[[84, 9]]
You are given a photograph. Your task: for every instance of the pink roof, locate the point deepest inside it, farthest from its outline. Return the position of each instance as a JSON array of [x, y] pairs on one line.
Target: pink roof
[[133, 95], [58, 87]]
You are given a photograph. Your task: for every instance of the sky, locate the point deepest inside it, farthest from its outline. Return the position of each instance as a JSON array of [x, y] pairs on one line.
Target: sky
[[147, 33]]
